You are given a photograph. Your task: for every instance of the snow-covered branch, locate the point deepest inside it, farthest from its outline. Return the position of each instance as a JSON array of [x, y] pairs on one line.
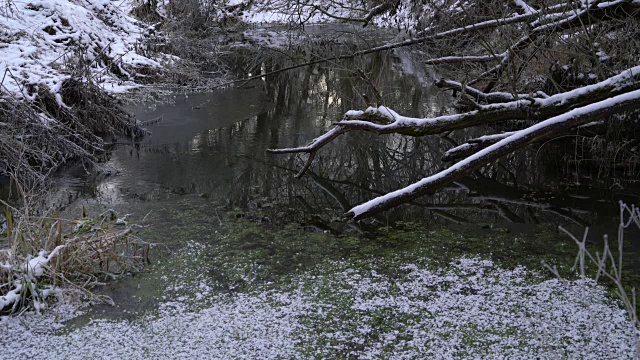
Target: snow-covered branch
[[464, 59], [557, 114], [524, 7], [479, 96], [519, 139], [473, 145]]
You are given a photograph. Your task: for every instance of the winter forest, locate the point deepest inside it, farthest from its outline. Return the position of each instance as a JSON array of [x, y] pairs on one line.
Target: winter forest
[[444, 179]]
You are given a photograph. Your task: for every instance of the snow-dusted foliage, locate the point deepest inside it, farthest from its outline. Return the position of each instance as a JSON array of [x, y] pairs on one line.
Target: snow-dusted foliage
[[23, 281], [471, 308], [76, 254], [43, 42]]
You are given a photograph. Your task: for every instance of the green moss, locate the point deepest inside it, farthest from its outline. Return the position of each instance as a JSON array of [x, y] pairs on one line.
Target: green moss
[[239, 252]]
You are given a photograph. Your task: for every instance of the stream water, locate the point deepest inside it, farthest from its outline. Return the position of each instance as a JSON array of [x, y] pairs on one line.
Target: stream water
[[234, 218], [212, 147], [206, 163]]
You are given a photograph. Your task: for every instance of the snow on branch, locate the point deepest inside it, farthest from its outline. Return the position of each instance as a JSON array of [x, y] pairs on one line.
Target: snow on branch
[[492, 97], [312, 148], [519, 139], [473, 145], [464, 59], [560, 113], [526, 8]]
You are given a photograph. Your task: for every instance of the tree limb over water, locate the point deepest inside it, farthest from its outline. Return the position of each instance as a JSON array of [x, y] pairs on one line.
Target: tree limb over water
[[534, 31]]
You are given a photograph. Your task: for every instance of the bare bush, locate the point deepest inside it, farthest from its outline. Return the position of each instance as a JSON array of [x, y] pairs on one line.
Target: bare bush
[[41, 136]]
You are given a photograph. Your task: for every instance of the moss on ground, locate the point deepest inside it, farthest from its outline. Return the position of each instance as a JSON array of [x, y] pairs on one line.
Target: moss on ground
[[234, 252]]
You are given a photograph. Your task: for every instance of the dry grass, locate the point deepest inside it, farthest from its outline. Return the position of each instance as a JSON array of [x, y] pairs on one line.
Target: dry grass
[[48, 254], [608, 264]]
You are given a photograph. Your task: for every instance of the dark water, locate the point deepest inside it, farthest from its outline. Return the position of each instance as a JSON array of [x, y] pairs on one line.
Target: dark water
[[207, 161], [212, 147]]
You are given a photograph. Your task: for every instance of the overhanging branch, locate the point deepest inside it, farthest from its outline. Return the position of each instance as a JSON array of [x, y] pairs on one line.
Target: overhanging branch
[[540, 131]]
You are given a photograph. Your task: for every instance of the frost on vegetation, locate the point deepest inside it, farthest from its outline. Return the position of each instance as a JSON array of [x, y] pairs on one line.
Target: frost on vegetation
[[471, 308], [42, 42], [78, 255], [23, 281]]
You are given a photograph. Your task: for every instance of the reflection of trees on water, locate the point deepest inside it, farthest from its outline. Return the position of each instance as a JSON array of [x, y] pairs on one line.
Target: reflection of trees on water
[[358, 167], [230, 164]]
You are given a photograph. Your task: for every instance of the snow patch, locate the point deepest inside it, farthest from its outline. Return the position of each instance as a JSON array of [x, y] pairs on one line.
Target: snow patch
[[471, 308], [38, 38]]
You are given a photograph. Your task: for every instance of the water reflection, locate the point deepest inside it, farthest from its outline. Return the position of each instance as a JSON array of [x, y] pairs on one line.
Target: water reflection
[[213, 146]]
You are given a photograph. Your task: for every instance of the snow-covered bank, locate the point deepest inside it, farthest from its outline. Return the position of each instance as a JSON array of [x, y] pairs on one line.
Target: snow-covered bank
[[58, 61], [471, 308], [43, 42], [76, 256]]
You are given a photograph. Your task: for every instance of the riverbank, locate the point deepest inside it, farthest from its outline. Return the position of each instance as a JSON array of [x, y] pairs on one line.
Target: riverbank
[[244, 289], [61, 62]]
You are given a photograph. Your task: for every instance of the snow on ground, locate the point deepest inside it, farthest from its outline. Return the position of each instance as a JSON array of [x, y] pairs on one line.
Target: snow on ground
[[37, 39], [471, 308]]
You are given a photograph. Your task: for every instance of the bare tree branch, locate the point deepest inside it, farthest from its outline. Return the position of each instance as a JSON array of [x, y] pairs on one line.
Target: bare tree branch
[[543, 130], [586, 15]]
